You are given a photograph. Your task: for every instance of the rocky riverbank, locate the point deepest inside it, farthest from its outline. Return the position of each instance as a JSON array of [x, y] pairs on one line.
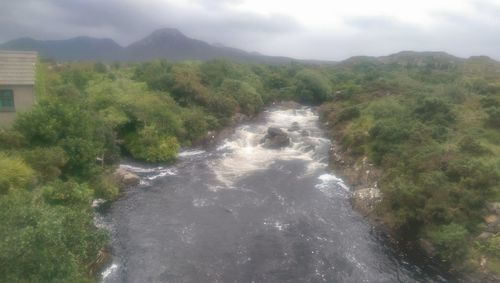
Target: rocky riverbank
[[362, 177]]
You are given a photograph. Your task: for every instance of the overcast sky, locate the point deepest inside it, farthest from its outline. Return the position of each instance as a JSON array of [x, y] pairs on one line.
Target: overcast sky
[[306, 29]]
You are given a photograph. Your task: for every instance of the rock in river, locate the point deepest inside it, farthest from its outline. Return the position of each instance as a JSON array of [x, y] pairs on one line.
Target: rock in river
[[294, 127], [275, 138], [124, 178]]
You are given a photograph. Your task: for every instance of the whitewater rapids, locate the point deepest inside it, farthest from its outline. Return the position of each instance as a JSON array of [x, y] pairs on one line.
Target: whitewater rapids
[[245, 213]]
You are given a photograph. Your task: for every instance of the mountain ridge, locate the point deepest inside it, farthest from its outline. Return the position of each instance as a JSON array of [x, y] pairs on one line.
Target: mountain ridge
[[168, 43], [172, 44]]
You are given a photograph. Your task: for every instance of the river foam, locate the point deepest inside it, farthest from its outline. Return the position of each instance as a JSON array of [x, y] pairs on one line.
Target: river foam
[[244, 154]]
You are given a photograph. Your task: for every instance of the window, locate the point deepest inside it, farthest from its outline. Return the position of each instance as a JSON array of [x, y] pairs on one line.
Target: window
[[6, 100]]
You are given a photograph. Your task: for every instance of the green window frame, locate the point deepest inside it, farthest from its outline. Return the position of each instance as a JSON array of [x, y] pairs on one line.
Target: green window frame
[[7, 100]]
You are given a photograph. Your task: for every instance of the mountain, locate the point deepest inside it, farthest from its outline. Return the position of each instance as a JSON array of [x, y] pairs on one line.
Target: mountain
[[78, 48], [420, 58], [164, 43], [414, 58]]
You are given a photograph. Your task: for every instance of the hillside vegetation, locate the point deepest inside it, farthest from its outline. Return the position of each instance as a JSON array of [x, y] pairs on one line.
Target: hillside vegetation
[[430, 122]]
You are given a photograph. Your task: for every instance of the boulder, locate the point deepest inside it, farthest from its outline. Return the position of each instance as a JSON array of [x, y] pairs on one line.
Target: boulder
[[124, 178], [365, 200], [492, 220], [493, 207], [275, 138], [239, 118], [294, 127], [484, 236], [212, 138], [428, 248], [493, 227], [489, 219]]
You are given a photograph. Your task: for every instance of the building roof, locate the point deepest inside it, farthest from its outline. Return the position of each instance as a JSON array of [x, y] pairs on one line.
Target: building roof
[[17, 67]]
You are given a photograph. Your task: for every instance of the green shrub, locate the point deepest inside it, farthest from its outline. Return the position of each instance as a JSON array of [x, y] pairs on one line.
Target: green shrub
[[47, 161], [213, 72], [67, 193], [42, 243], [68, 124], [14, 174], [404, 199], [470, 145], [105, 188], [249, 100], [150, 145], [10, 139], [82, 155], [434, 110], [451, 241], [195, 124], [493, 116], [311, 87], [473, 174], [492, 246], [489, 101], [348, 114], [223, 106], [185, 86]]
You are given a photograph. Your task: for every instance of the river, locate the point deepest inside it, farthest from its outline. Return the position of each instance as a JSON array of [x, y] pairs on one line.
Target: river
[[244, 213]]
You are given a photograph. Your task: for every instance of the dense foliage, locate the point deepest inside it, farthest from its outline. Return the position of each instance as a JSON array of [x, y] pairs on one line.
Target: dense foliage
[[432, 126], [433, 130]]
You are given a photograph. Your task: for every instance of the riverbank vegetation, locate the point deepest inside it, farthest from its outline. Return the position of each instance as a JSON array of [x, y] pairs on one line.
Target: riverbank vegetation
[[59, 156], [431, 125]]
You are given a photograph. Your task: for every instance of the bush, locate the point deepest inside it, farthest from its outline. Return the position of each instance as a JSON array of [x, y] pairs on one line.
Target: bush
[[249, 100], [149, 145], [42, 243], [469, 145], [404, 200], [48, 162], [184, 84], [195, 124], [67, 193], [493, 116], [213, 72], [386, 136], [489, 101], [82, 155], [68, 124], [311, 87], [434, 110], [492, 246], [10, 139], [451, 242], [14, 174], [222, 106], [105, 188], [347, 114]]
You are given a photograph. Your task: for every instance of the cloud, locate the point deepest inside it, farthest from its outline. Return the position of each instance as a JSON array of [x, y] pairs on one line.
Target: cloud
[[304, 29]]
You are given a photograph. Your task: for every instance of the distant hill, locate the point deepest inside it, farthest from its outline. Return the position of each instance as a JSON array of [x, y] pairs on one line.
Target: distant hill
[[78, 48], [164, 43], [415, 58]]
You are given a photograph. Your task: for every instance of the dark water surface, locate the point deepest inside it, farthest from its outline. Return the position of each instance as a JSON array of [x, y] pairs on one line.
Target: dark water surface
[[243, 213]]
